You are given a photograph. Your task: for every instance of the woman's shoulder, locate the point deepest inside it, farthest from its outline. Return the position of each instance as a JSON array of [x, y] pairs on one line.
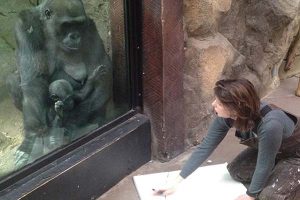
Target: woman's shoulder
[[276, 117], [273, 113]]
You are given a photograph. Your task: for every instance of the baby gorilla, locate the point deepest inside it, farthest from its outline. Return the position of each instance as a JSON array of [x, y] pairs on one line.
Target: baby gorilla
[[61, 93], [65, 97]]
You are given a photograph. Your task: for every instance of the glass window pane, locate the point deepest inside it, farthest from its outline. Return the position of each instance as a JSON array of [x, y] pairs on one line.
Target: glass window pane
[[63, 74]]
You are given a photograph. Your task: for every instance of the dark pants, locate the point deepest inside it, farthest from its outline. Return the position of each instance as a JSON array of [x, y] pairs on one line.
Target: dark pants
[[284, 182]]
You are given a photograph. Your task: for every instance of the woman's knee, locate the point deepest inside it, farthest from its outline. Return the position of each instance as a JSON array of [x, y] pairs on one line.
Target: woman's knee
[[242, 167]]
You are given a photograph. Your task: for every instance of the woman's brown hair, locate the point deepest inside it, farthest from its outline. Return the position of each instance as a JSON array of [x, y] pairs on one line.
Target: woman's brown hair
[[240, 97]]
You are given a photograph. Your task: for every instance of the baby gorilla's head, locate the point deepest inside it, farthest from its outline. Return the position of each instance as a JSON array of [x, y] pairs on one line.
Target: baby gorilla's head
[[61, 93]]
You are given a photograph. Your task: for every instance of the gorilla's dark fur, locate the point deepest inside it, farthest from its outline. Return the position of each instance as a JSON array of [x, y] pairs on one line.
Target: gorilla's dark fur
[[57, 41]]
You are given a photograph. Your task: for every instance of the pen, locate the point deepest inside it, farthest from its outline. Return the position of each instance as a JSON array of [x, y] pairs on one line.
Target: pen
[[159, 192]]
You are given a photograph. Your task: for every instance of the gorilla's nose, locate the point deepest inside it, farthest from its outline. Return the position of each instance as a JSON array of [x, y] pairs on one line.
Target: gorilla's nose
[[74, 35]]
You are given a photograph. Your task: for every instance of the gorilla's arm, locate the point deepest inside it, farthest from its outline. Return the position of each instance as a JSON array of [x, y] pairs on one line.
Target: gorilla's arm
[[32, 64], [93, 48], [95, 79], [99, 66]]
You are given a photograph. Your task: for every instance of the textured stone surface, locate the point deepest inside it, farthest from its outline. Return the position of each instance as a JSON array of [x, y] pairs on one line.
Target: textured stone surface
[[262, 31], [98, 10], [8, 14], [201, 17], [235, 38]]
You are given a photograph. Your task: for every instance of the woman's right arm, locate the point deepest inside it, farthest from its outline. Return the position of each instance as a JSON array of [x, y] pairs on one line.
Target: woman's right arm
[[170, 187], [216, 133]]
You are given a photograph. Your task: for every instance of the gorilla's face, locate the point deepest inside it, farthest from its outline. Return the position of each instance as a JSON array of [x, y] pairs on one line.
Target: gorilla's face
[[65, 23], [69, 33]]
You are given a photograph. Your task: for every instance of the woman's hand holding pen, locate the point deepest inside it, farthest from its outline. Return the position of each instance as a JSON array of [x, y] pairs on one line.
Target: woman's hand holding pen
[[169, 188]]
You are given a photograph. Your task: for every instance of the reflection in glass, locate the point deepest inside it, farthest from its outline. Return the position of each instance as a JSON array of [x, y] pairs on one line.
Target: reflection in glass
[[62, 85]]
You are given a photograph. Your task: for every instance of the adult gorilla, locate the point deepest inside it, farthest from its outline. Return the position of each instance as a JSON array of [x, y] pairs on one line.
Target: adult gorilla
[[57, 41]]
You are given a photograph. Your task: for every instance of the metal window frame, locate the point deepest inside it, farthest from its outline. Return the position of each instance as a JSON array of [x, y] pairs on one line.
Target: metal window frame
[[133, 35]]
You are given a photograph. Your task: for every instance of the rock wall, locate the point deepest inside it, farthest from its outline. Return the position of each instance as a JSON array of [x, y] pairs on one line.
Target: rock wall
[[230, 39], [8, 14], [99, 11]]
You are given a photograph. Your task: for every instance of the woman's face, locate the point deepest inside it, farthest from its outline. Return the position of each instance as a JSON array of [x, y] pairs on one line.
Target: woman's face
[[220, 109]]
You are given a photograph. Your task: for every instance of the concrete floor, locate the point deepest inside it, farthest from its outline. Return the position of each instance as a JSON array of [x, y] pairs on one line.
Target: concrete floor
[[283, 97]]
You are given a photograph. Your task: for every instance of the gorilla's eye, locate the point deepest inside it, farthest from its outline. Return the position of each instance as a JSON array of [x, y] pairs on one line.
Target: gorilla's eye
[[48, 13], [54, 97]]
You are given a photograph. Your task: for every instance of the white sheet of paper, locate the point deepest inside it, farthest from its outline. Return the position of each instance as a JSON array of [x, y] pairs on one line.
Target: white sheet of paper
[[206, 183]]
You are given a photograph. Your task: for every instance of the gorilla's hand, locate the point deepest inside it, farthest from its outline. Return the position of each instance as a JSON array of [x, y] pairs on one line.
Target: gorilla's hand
[[59, 108], [98, 73]]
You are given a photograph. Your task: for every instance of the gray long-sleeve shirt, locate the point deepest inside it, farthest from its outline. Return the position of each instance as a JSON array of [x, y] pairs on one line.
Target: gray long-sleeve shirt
[[272, 129]]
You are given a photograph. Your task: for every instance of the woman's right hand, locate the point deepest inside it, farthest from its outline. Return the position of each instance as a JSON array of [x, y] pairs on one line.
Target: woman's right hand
[[164, 191], [169, 188]]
